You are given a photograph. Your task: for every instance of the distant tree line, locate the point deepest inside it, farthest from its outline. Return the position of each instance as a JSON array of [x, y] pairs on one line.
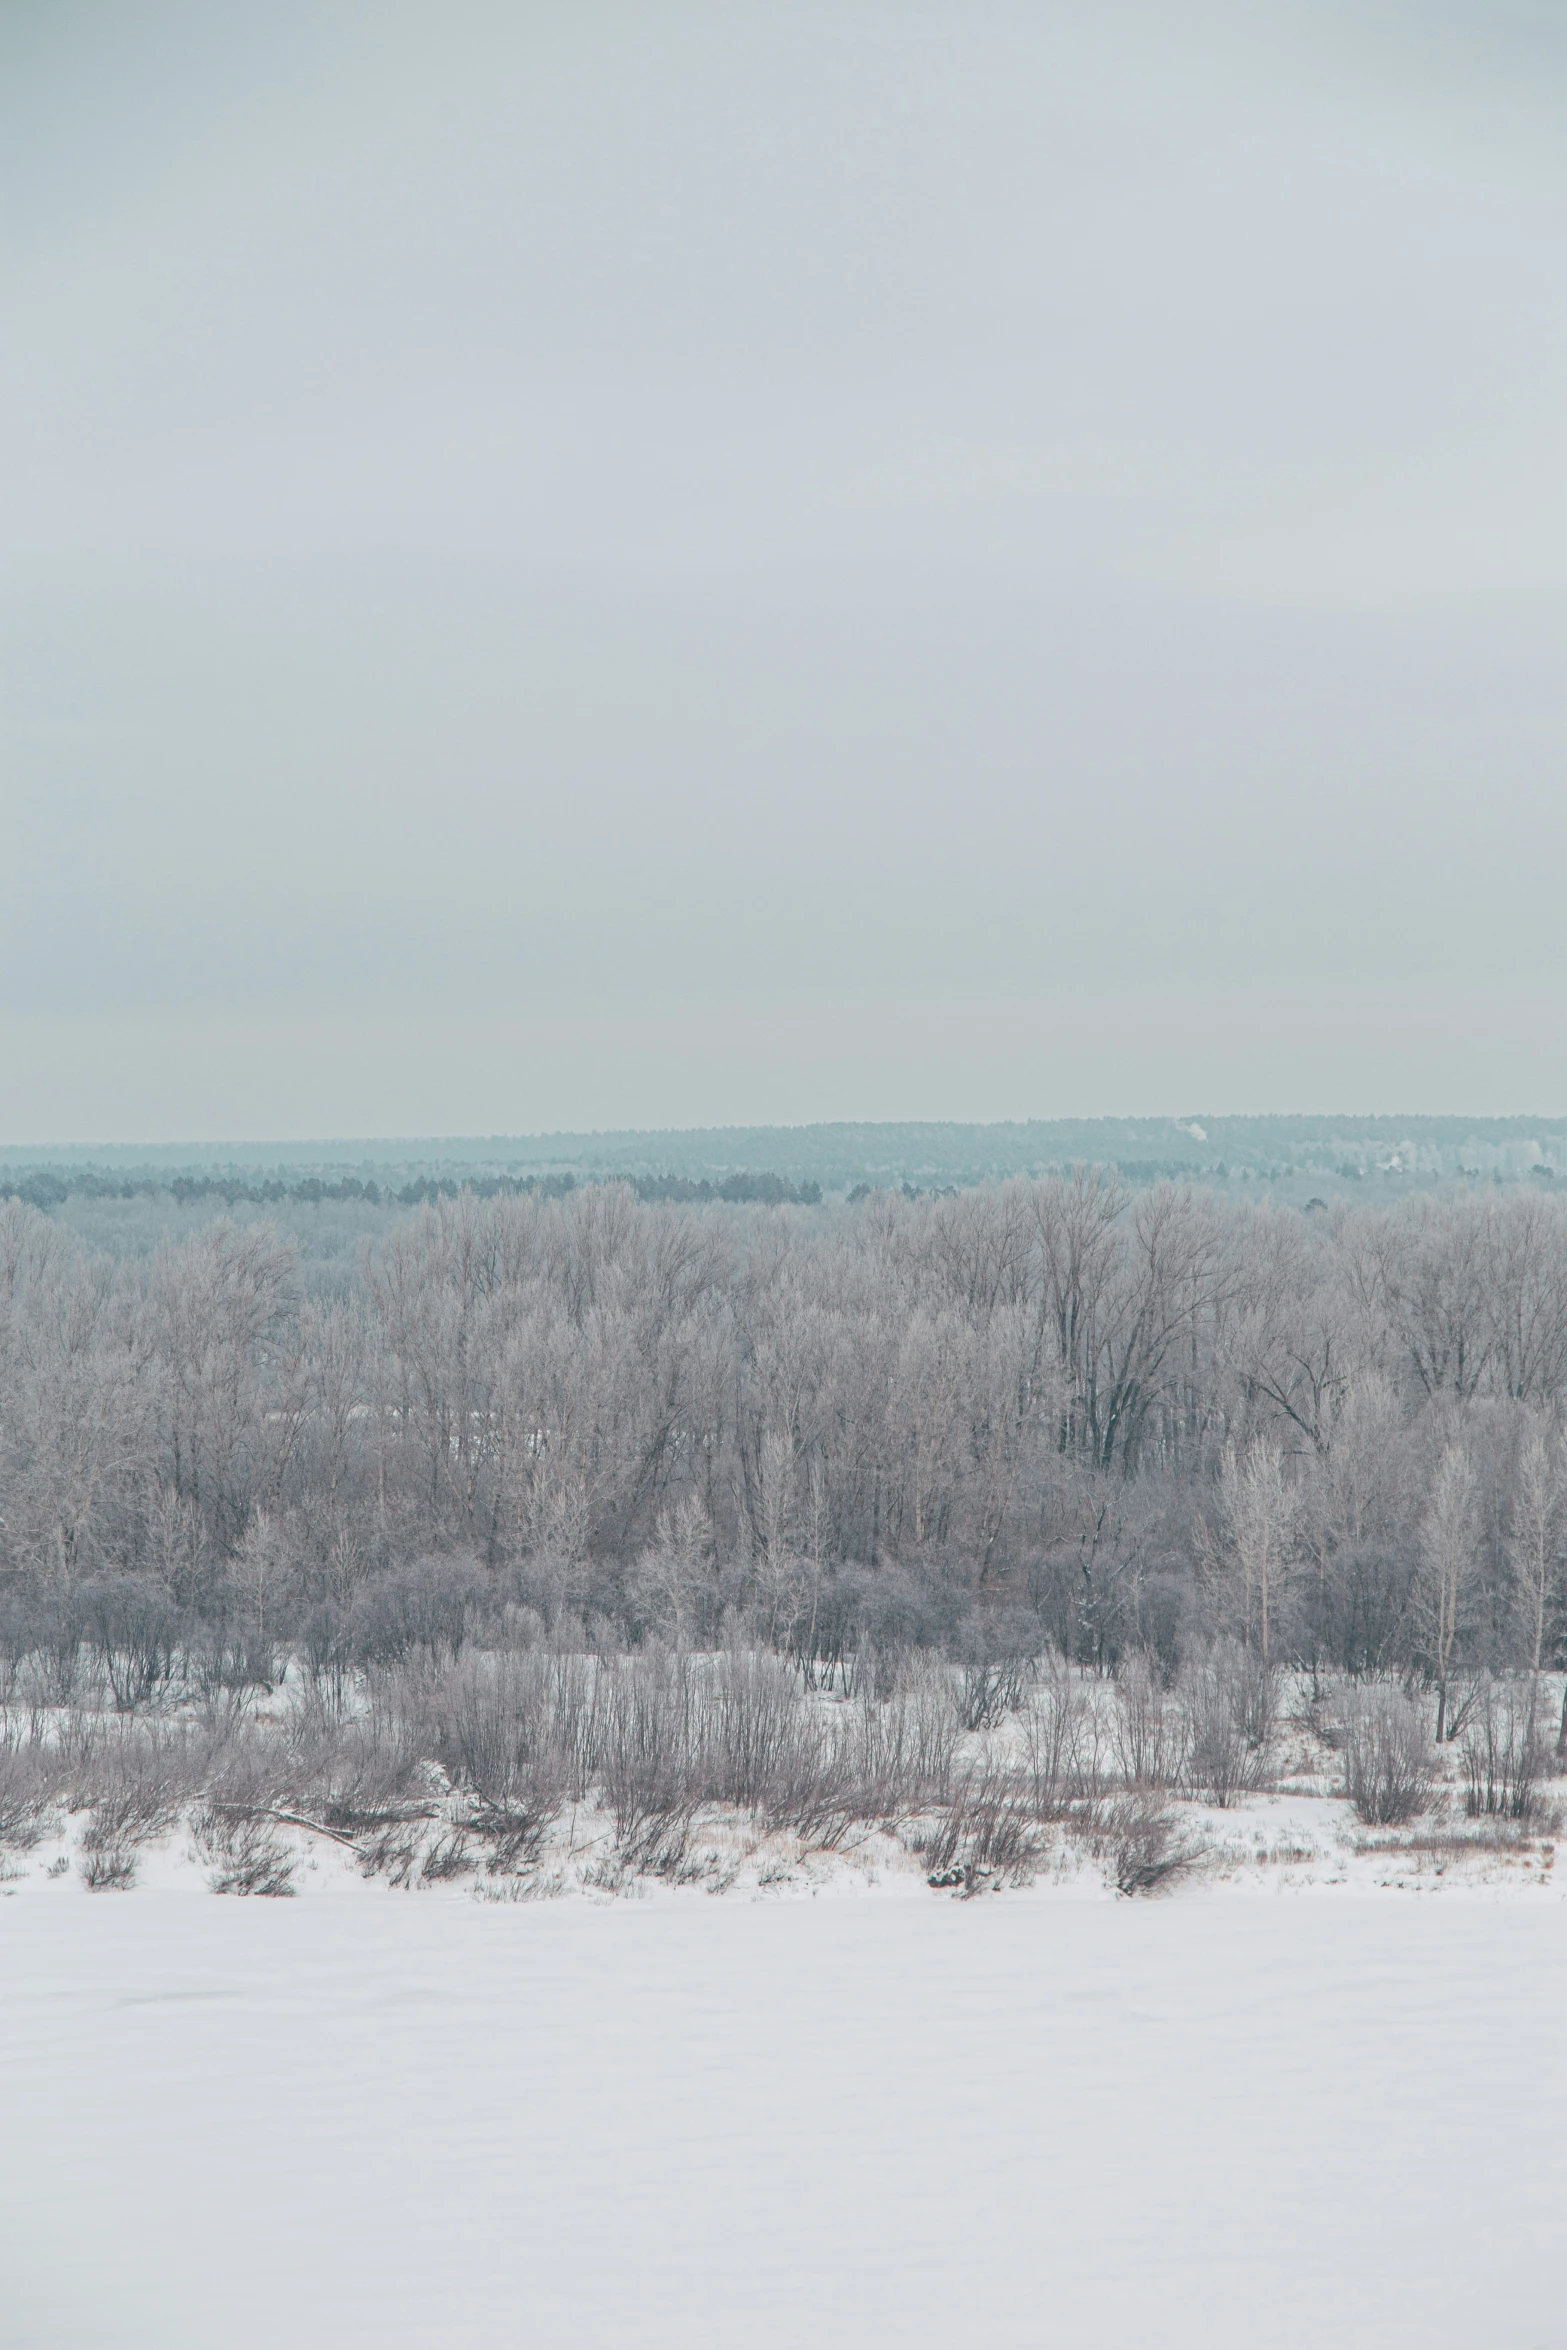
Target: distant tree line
[[1052, 1414], [759, 1190], [46, 1188]]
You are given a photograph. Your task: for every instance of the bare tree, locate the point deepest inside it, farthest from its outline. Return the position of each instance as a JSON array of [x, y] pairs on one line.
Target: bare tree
[[877, 1417], [1448, 1537], [1537, 1529], [1258, 1513]]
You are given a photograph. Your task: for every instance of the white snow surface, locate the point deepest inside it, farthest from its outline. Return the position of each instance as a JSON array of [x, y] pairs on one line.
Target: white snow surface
[[1024, 2121]]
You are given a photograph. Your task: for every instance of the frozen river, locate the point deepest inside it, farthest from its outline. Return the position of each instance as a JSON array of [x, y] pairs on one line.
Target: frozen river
[[1323, 2123]]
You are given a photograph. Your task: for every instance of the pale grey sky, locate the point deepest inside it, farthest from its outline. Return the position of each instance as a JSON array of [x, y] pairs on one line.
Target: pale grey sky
[[576, 565]]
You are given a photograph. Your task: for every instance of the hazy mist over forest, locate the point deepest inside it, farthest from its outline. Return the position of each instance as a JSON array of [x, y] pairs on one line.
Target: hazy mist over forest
[[617, 566]]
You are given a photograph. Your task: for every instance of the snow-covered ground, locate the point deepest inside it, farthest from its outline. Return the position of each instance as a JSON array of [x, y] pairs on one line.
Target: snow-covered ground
[[396, 2120], [1295, 1840]]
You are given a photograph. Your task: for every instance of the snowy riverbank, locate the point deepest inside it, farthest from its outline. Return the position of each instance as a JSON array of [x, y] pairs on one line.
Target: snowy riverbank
[[1289, 1842]]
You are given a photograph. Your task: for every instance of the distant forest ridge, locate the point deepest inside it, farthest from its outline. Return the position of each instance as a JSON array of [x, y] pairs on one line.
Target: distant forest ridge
[[1291, 1156]]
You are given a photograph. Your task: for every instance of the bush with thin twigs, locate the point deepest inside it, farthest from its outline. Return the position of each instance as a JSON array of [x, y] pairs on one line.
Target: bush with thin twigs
[[903, 1748], [564, 1683], [1504, 1752], [812, 1787], [363, 1775], [137, 1779], [327, 1653], [753, 1722], [495, 1727], [1148, 1729], [769, 1752], [30, 1785], [451, 1855], [1060, 1746], [651, 1763], [18, 1638], [41, 1641], [821, 1798], [988, 1834], [1136, 1834], [134, 1629], [248, 1765], [423, 1610], [244, 1853], [235, 1654], [108, 1868], [998, 1654], [1229, 1700], [1388, 1758]]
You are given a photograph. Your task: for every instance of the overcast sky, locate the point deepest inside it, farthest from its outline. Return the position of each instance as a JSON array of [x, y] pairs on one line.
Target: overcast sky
[[573, 565]]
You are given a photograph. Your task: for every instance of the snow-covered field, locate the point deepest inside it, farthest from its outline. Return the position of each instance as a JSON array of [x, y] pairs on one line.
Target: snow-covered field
[[396, 2120]]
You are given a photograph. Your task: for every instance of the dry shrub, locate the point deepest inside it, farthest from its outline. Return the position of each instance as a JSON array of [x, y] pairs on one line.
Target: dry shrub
[[245, 1853], [1388, 1758], [762, 1747], [988, 1834], [1504, 1753], [135, 1779], [564, 1690], [1060, 1746], [901, 1750], [1229, 1701], [496, 1729], [134, 1629], [393, 1851], [107, 1867], [364, 1774], [449, 1856], [815, 1791], [1147, 1730], [773, 1752], [676, 1733], [998, 1654], [29, 1787], [1136, 1835], [248, 1767], [650, 1758]]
